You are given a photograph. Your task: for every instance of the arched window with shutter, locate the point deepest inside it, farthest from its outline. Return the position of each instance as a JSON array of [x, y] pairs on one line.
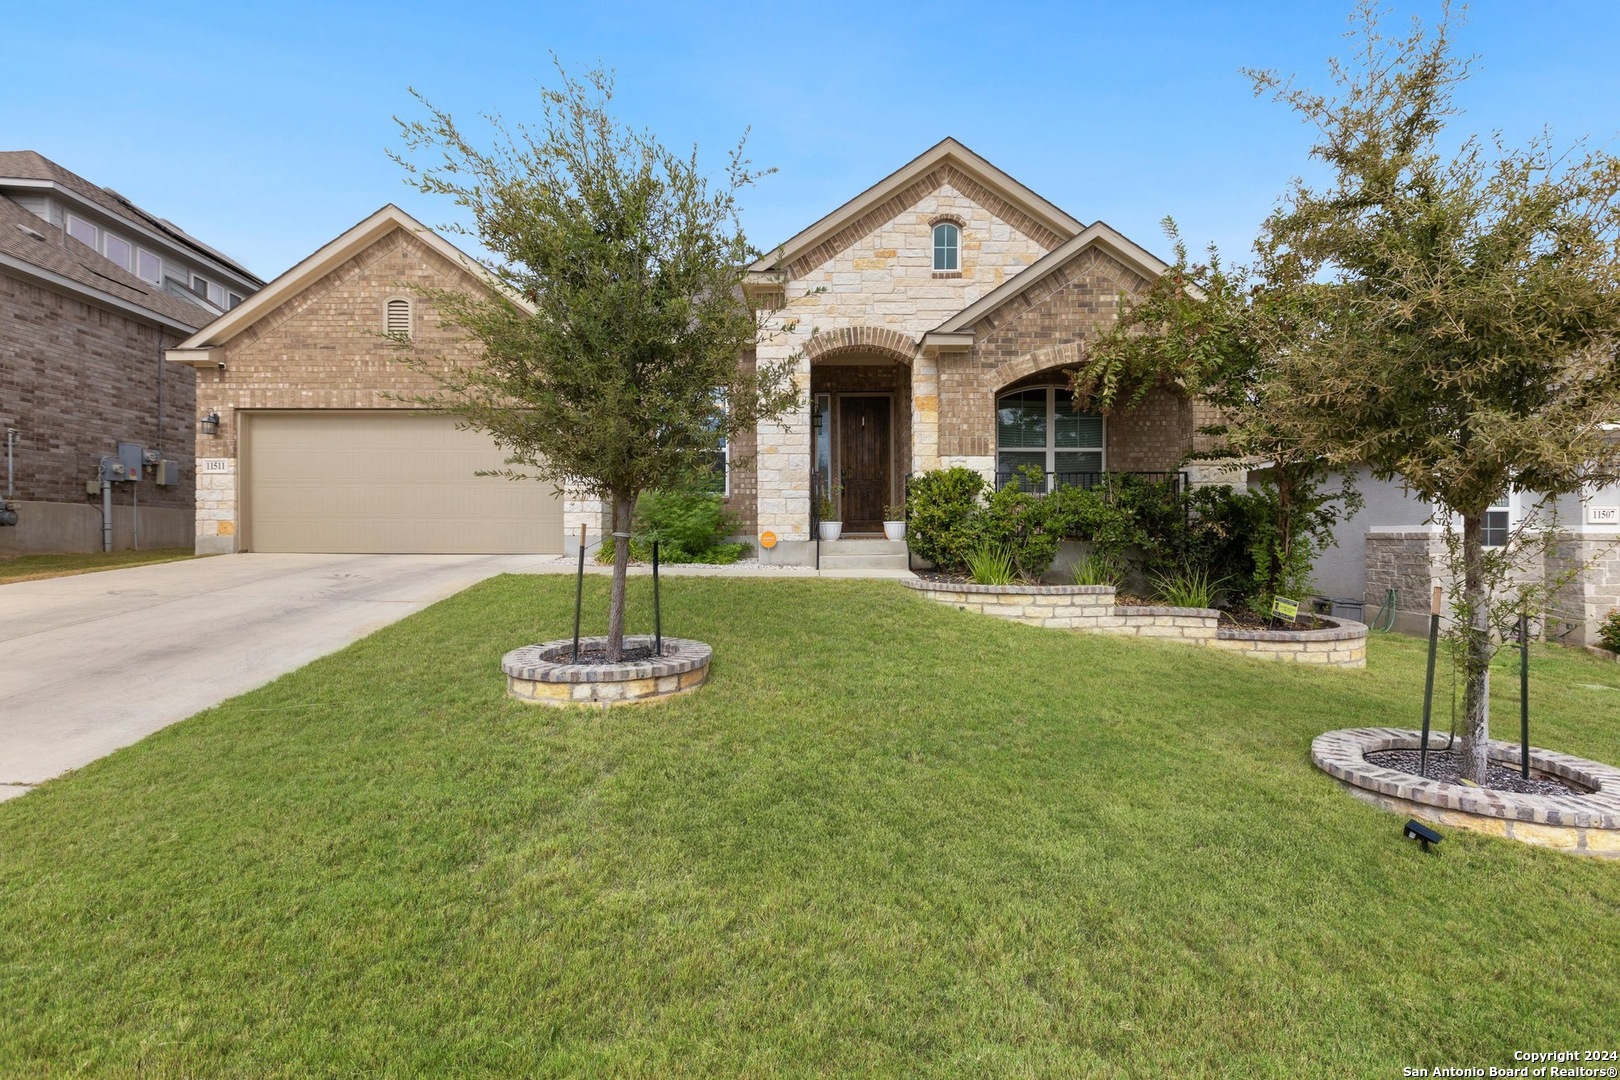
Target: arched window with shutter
[[398, 318]]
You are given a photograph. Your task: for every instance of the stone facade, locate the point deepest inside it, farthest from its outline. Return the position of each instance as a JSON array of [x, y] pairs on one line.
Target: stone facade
[[851, 314], [1586, 569], [78, 379], [323, 348]]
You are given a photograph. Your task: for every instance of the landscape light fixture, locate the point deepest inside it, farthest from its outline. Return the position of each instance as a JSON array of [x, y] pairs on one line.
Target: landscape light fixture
[[1416, 830], [209, 425]]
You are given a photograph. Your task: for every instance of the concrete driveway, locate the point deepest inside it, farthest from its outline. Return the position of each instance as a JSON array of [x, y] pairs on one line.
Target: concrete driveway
[[95, 662]]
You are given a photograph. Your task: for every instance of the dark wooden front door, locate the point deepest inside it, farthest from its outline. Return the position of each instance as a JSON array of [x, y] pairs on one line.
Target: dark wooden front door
[[864, 460]]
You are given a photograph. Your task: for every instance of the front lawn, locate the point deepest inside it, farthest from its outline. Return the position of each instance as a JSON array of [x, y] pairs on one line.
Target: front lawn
[[888, 838], [63, 564]]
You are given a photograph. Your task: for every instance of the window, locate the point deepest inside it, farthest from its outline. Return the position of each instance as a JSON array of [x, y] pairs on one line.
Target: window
[[148, 267], [214, 292], [118, 250], [82, 231], [1038, 427], [235, 299], [822, 418], [1498, 522], [947, 245], [716, 475], [397, 318]]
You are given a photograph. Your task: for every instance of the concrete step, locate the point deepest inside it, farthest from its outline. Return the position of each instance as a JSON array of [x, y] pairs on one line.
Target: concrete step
[[878, 546]]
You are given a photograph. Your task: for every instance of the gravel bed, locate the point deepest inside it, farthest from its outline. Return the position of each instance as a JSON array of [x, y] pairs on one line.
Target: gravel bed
[[1446, 767]]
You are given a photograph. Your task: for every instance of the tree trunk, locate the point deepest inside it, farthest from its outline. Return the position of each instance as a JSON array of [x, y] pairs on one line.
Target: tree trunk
[[1476, 653], [623, 508]]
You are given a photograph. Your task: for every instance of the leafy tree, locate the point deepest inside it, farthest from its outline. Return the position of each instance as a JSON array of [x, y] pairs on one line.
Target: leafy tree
[[610, 353], [1219, 334], [1463, 309]]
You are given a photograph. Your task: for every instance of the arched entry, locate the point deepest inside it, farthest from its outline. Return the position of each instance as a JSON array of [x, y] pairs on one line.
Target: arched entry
[[860, 384]]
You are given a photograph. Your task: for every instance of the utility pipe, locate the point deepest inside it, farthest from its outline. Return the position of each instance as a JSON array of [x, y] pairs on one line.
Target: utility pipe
[[1428, 681], [106, 512]]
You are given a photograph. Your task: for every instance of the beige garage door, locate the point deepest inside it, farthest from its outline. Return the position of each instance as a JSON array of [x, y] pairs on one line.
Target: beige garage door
[[386, 482]]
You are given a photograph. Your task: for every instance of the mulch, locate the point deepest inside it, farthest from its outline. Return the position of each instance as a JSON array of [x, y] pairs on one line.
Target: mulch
[[1447, 768]]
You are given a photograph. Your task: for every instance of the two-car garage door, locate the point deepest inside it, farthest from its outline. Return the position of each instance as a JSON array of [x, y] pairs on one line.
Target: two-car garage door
[[385, 481]]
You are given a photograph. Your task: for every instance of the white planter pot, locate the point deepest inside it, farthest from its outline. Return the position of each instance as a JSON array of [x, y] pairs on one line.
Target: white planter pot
[[894, 530], [831, 529]]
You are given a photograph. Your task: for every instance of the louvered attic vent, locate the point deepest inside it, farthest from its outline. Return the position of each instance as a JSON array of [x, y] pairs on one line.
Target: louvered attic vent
[[399, 318]]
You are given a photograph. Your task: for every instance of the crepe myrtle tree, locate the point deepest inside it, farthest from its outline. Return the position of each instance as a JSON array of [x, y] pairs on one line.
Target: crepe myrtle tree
[[1463, 301], [609, 354], [1216, 332]]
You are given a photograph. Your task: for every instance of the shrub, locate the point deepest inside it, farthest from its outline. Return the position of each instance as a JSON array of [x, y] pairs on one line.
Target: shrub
[[1609, 631], [1189, 587], [941, 507], [690, 527], [991, 564], [1097, 569], [1021, 524]]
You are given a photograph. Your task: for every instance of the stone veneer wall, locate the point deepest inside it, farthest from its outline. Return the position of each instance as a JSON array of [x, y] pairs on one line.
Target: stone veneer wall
[[1412, 561], [322, 349], [1092, 608], [877, 274], [1592, 562]]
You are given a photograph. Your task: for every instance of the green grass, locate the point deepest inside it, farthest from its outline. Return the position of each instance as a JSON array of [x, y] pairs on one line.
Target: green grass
[[888, 838], [62, 564]]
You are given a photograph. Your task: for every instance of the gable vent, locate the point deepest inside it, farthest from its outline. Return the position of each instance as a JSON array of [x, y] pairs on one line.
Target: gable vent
[[399, 318]]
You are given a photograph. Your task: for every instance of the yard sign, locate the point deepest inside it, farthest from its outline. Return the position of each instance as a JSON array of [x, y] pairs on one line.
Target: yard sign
[[1283, 608]]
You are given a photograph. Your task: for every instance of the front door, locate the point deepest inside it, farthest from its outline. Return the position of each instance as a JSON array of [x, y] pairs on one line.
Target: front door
[[864, 460]]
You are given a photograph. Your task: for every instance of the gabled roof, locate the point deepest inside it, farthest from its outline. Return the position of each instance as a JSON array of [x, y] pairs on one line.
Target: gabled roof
[[1099, 235], [33, 247], [946, 152], [30, 165], [317, 266]]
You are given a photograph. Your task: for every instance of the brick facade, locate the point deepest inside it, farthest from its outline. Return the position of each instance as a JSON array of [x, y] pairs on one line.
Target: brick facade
[[852, 311], [77, 379], [323, 348]]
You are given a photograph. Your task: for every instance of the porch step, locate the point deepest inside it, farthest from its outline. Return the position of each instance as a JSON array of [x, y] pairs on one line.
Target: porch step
[[863, 555]]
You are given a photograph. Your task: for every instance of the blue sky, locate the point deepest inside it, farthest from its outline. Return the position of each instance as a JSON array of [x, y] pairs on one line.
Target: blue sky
[[261, 128]]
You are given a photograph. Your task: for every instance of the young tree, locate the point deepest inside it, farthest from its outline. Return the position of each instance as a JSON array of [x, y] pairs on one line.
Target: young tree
[[610, 354], [1217, 332], [1464, 308]]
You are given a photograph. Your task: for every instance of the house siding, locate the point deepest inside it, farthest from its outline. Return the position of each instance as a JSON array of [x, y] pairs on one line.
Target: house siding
[[77, 379]]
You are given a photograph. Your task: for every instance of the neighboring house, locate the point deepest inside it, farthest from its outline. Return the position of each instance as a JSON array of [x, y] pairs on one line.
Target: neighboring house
[[320, 446], [93, 289], [1393, 544], [930, 319]]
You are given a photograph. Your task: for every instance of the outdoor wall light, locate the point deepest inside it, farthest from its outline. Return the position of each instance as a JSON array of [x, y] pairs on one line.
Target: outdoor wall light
[[1414, 830], [209, 425]]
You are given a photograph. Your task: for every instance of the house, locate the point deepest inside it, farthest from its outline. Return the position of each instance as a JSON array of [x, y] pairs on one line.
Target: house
[[1393, 543], [319, 445], [929, 320], [93, 290]]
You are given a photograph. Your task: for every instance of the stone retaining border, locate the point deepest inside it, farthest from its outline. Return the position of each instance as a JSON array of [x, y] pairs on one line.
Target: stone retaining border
[[1587, 824], [1092, 608], [541, 674]]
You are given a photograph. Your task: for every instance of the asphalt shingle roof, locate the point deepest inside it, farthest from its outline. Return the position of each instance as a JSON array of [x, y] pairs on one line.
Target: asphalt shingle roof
[[32, 165], [59, 254]]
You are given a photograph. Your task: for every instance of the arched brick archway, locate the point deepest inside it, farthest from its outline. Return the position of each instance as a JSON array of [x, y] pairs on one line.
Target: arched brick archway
[[861, 339], [1052, 358]]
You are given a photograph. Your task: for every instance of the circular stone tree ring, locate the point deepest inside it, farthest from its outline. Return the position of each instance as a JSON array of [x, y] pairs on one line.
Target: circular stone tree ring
[[544, 674], [1586, 823]]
